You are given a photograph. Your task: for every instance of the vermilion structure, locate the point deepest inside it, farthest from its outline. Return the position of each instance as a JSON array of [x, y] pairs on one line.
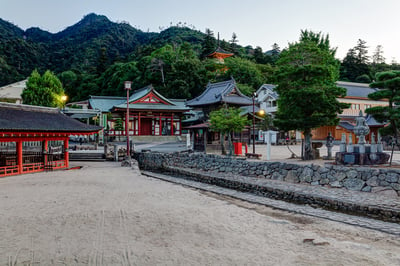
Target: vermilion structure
[[34, 139]]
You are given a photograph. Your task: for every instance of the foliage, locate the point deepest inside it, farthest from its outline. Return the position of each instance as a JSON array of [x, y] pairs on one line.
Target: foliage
[[355, 64], [119, 124], [244, 71], [45, 90], [389, 84], [226, 121], [306, 76]]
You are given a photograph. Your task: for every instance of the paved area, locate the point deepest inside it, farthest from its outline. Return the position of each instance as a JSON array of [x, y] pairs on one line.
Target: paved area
[[335, 194]]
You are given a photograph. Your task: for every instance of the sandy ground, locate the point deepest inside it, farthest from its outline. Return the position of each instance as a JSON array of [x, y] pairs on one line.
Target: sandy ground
[[104, 214]]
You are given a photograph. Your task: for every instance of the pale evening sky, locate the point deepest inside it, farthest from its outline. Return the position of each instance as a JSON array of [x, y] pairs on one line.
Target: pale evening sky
[[255, 22]]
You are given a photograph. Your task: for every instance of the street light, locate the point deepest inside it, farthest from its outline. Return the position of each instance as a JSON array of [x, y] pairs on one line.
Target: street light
[[127, 85], [64, 99], [254, 123]]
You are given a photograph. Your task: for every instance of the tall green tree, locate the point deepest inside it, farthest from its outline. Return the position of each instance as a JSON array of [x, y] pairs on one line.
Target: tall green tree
[[389, 84], [43, 90], [356, 64], [209, 44], [306, 76], [226, 121]]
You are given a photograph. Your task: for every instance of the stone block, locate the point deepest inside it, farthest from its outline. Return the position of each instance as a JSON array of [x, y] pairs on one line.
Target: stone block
[[352, 174], [392, 177], [373, 181], [395, 186], [366, 189], [336, 184], [340, 176], [292, 177], [353, 184]]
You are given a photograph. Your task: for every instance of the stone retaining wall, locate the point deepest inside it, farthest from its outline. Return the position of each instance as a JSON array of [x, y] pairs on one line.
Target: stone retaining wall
[[367, 179]]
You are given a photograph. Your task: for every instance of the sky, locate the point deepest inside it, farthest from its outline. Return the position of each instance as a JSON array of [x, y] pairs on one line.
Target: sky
[[255, 22]]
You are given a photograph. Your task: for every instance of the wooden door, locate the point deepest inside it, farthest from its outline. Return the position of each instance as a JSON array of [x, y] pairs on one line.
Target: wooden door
[[145, 126]]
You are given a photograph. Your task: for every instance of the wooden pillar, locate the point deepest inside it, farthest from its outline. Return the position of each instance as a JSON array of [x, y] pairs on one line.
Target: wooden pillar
[[66, 153], [19, 156], [180, 126], [172, 124], [139, 125], [45, 152], [160, 132]]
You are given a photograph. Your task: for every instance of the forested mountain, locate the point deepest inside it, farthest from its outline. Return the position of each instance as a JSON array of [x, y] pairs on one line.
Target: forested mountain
[[92, 41], [95, 56]]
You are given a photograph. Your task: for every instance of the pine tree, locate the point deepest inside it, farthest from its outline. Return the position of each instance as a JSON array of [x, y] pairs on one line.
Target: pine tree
[[306, 76]]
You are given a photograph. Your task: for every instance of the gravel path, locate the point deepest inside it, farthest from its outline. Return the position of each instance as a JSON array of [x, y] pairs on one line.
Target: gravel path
[[104, 214]]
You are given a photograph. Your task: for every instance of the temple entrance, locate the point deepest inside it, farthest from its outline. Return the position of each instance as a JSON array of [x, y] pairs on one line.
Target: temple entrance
[[145, 126]]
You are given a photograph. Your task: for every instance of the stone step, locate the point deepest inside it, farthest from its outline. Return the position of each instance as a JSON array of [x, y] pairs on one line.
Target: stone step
[[86, 156]]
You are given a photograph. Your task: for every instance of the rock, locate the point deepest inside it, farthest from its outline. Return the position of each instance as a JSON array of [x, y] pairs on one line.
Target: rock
[[392, 177], [292, 177], [336, 184], [366, 189], [352, 174], [277, 176], [395, 186], [340, 176], [353, 184], [373, 181], [306, 175], [316, 176]]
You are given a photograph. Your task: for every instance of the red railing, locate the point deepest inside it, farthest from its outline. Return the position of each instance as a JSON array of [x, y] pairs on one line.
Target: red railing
[[32, 167], [8, 170]]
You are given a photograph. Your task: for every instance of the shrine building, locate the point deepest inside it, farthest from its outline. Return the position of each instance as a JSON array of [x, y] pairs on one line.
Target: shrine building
[[150, 114], [35, 139]]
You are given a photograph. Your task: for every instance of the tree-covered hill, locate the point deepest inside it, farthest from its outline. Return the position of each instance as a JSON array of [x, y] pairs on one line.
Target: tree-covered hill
[[91, 45]]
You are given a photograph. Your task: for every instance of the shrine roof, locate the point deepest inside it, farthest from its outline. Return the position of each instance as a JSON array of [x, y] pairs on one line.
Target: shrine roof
[[148, 98], [221, 92], [152, 106], [358, 90], [105, 103], [19, 117], [221, 52]]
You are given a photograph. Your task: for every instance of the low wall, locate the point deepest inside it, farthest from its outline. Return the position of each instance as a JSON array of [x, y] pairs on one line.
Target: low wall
[[367, 179]]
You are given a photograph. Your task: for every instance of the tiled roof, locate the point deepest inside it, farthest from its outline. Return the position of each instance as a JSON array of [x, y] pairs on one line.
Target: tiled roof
[[359, 90], [220, 93], [219, 50], [19, 117], [152, 106], [105, 103]]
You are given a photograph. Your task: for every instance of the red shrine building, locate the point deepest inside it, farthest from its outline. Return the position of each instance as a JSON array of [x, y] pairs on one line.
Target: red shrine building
[[35, 139], [150, 114]]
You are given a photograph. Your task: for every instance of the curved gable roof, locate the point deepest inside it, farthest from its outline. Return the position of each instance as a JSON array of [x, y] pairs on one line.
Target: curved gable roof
[[20, 117], [220, 92]]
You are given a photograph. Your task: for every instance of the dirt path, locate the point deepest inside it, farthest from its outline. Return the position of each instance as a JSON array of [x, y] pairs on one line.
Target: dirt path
[[104, 214]]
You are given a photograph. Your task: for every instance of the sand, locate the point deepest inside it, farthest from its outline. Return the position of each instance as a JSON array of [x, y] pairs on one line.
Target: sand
[[104, 214]]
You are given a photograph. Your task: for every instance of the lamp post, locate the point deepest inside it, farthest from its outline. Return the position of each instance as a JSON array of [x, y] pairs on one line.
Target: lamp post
[[254, 123], [64, 99], [127, 85]]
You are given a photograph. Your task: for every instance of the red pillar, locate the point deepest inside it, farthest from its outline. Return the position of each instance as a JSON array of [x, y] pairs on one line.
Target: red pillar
[[139, 125], [172, 124], [160, 132], [19, 156], [66, 153], [45, 150]]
